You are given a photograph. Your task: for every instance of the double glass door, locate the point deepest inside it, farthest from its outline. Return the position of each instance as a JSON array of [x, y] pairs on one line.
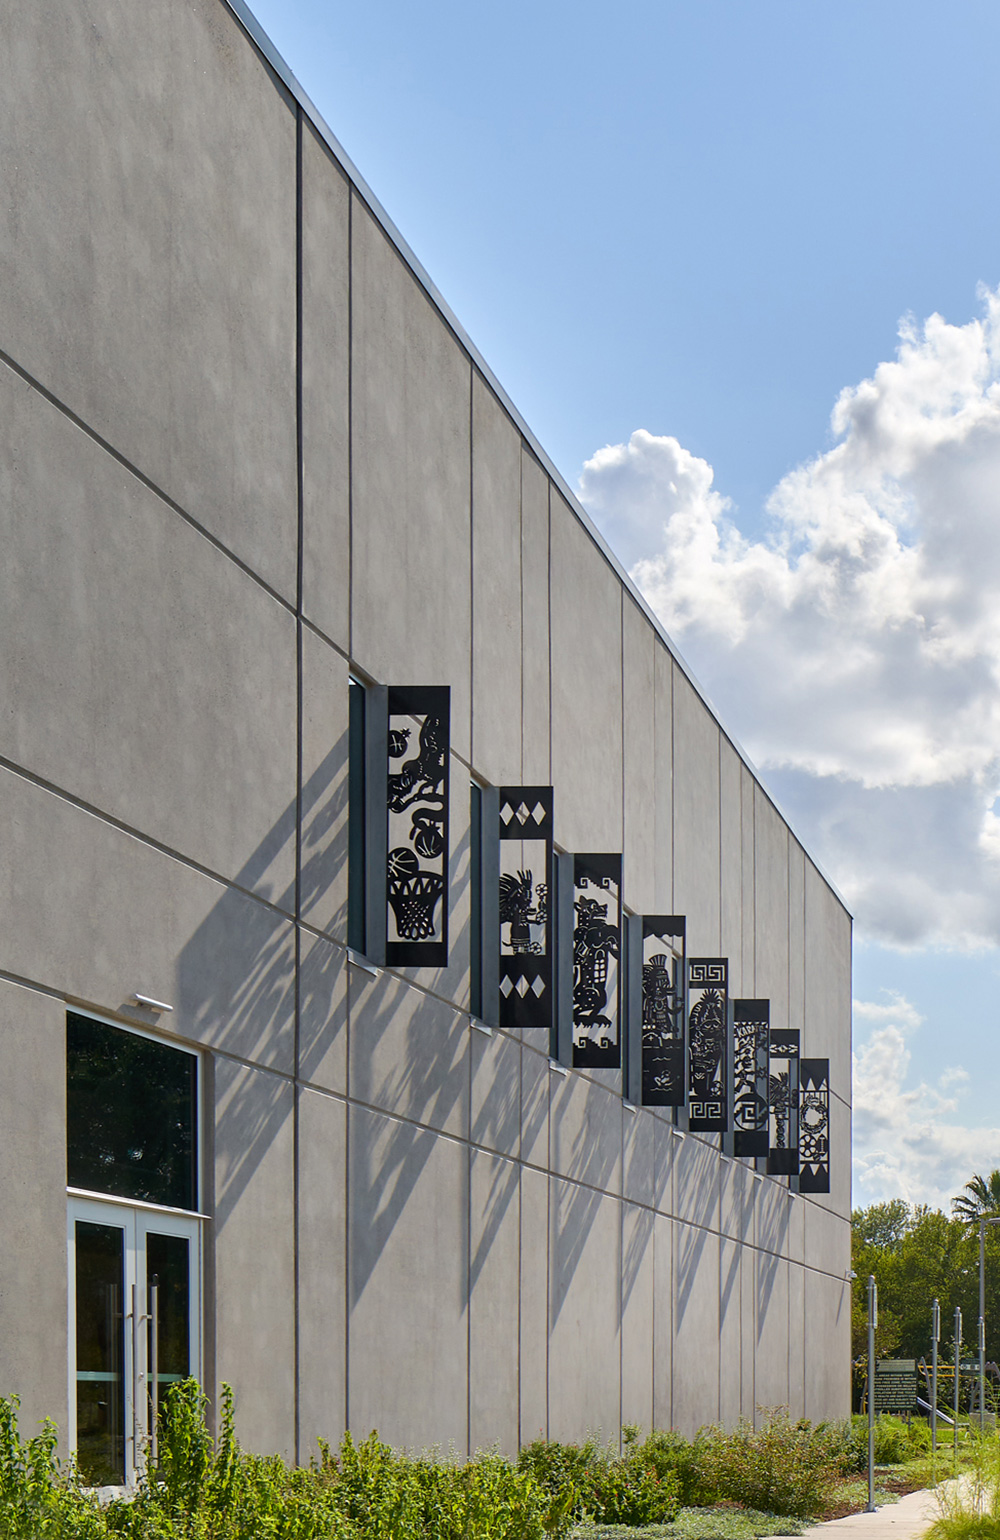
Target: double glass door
[[135, 1310]]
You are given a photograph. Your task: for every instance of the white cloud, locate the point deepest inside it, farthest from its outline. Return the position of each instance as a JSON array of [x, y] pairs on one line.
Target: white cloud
[[896, 1009], [911, 1142], [856, 649]]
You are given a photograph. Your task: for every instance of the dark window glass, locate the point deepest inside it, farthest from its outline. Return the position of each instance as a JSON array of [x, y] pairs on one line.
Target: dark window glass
[[100, 1353], [356, 851], [476, 920], [130, 1115], [169, 1307]]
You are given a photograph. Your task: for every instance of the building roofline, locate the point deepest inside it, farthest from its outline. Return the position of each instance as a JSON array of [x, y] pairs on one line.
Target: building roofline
[[263, 43]]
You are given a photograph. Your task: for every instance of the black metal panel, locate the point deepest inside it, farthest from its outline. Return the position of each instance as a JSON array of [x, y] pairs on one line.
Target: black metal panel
[[708, 1044], [783, 1102], [527, 938], [814, 1125], [663, 1062], [417, 807], [751, 1027], [597, 905]]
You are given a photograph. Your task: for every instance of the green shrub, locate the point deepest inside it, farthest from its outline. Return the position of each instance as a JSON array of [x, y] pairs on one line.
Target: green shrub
[[595, 1483], [783, 1467], [673, 1454]]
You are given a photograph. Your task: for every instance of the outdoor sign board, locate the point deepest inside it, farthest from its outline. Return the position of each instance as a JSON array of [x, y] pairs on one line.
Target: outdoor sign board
[[896, 1385]]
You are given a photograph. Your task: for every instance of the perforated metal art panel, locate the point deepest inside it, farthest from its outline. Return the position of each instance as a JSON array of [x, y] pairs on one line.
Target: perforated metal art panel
[[708, 1044], [663, 1076], [783, 1101], [417, 814], [814, 1125], [525, 908], [597, 927], [751, 1027]]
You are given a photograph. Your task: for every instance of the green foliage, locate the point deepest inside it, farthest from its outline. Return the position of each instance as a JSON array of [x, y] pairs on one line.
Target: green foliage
[[970, 1509], [784, 1467], [700, 1524], [635, 1489], [917, 1255], [37, 1497], [980, 1196]]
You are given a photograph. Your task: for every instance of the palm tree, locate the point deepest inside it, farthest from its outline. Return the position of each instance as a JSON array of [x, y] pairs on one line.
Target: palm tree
[[978, 1197]]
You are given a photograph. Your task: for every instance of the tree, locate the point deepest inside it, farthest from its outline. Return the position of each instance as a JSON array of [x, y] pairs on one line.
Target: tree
[[979, 1197]]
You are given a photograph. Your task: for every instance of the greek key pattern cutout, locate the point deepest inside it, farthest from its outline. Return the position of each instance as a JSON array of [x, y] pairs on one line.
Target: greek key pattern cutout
[[751, 1033], [708, 1044]]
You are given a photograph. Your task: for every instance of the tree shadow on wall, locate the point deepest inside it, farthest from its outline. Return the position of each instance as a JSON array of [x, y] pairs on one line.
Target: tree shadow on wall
[[236, 975]]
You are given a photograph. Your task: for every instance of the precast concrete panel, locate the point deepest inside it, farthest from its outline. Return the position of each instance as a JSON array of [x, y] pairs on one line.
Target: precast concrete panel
[[322, 1271], [642, 854], [586, 603], [828, 980], [114, 915], [535, 1080], [495, 1109], [411, 484], [496, 590], [323, 808], [325, 374], [732, 1258], [166, 672], [254, 1252], [494, 1286], [663, 1321], [322, 1013], [771, 1377], [696, 1180], [771, 908], [773, 1216], [827, 1372], [662, 821], [667, 1141], [408, 1281], [637, 1290], [731, 866], [536, 673], [408, 1052], [533, 1339], [748, 861], [736, 1201], [585, 1271], [148, 146], [696, 1327], [796, 1340], [639, 1157], [696, 818], [33, 1282], [585, 1132], [748, 1335], [797, 1018]]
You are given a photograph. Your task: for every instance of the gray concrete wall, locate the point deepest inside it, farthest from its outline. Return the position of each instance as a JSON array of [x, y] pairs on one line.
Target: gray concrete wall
[[247, 455]]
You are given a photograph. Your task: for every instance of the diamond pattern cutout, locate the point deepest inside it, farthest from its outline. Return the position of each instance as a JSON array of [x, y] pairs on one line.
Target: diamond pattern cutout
[[506, 812], [539, 813], [505, 987], [522, 986], [538, 987]]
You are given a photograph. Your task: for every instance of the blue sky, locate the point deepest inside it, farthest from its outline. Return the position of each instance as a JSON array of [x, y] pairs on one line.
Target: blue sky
[[679, 233]]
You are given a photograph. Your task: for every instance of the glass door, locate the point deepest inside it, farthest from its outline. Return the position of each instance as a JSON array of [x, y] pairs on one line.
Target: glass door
[[135, 1310]]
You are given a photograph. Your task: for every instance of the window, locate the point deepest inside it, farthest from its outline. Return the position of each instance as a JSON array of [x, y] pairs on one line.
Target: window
[[131, 1115], [356, 821], [134, 1254]]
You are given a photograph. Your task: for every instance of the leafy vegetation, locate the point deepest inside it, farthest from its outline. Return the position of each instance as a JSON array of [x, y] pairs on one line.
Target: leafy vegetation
[[970, 1509], [918, 1254], [769, 1480]]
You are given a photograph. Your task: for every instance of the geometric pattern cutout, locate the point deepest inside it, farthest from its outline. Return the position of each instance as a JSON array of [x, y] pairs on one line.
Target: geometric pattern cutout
[[751, 1030], [526, 932], [597, 882], [417, 813], [663, 1075], [708, 1044], [814, 1125], [783, 1104]]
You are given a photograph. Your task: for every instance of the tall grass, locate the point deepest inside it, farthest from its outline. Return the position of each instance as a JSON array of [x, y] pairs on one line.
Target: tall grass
[[969, 1508]]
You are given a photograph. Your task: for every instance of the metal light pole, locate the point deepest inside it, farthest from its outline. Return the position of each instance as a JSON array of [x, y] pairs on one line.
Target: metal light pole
[[983, 1222], [935, 1339], [958, 1359], [872, 1323]]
